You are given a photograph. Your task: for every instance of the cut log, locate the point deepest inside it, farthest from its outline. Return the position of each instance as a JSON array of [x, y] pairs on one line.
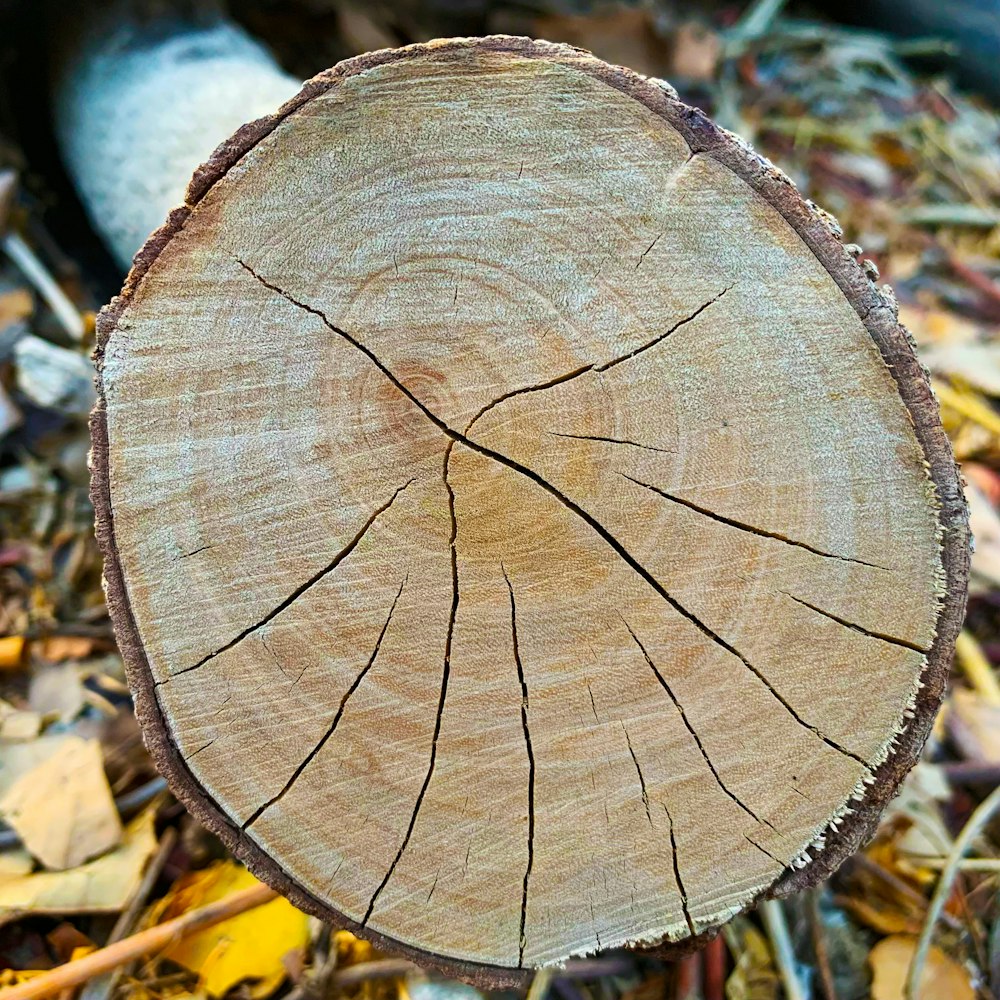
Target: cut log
[[528, 530]]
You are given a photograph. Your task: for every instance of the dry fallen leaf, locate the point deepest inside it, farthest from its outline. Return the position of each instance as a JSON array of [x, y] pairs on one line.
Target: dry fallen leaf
[[974, 725], [101, 886], [17, 724], [935, 327], [58, 648], [917, 804], [57, 692], [879, 914], [616, 33], [985, 525], [696, 52], [976, 364], [248, 947], [754, 977], [14, 863], [943, 978], [15, 305], [11, 652], [62, 808]]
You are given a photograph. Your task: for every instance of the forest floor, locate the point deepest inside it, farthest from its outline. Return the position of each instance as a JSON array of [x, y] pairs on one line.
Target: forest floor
[[93, 848]]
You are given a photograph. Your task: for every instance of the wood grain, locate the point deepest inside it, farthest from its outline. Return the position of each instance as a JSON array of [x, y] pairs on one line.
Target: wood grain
[[528, 531]]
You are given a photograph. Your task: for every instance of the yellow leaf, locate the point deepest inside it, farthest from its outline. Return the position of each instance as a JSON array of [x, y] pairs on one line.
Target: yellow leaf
[[14, 977], [943, 978], [250, 946], [11, 652], [754, 976], [350, 949]]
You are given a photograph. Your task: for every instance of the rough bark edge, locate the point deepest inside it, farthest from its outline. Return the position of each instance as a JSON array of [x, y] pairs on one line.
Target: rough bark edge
[[876, 310]]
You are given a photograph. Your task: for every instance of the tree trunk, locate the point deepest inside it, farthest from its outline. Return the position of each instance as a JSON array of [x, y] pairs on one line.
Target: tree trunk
[[527, 529]]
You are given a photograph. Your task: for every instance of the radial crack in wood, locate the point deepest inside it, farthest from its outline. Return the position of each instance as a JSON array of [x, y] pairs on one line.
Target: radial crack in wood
[[693, 732], [527, 529]]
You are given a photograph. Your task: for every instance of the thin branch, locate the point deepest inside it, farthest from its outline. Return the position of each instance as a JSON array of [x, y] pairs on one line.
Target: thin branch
[[154, 939], [781, 946], [977, 821]]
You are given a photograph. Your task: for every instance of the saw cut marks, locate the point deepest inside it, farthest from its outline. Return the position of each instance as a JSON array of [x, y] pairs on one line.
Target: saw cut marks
[[525, 546]]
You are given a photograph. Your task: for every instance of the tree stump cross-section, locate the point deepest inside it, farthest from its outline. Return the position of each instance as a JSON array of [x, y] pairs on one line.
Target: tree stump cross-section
[[528, 530]]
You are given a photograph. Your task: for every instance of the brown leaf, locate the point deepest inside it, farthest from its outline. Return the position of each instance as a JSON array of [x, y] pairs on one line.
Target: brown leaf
[[62, 807], [879, 914], [943, 978], [14, 305], [974, 725], [11, 652], [696, 51], [58, 648], [622, 35]]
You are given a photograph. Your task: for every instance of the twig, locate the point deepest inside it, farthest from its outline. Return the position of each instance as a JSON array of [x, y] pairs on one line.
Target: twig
[[713, 967], [50, 984], [596, 968], [540, 984], [391, 968], [781, 945], [826, 980], [977, 668], [381, 968], [34, 270], [972, 772], [968, 865], [102, 987], [316, 985], [977, 821], [141, 796], [970, 407]]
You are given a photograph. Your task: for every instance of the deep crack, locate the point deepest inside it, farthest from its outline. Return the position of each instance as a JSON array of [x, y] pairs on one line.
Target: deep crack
[[538, 387], [444, 689], [662, 336], [764, 850], [531, 766], [544, 484], [332, 728], [611, 440], [638, 771], [750, 528], [584, 369], [677, 872], [881, 636], [690, 728], [204, 746], [300, 590]]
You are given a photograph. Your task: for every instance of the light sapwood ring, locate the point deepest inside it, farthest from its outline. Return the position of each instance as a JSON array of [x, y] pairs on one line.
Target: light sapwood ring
[[528, 530]]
